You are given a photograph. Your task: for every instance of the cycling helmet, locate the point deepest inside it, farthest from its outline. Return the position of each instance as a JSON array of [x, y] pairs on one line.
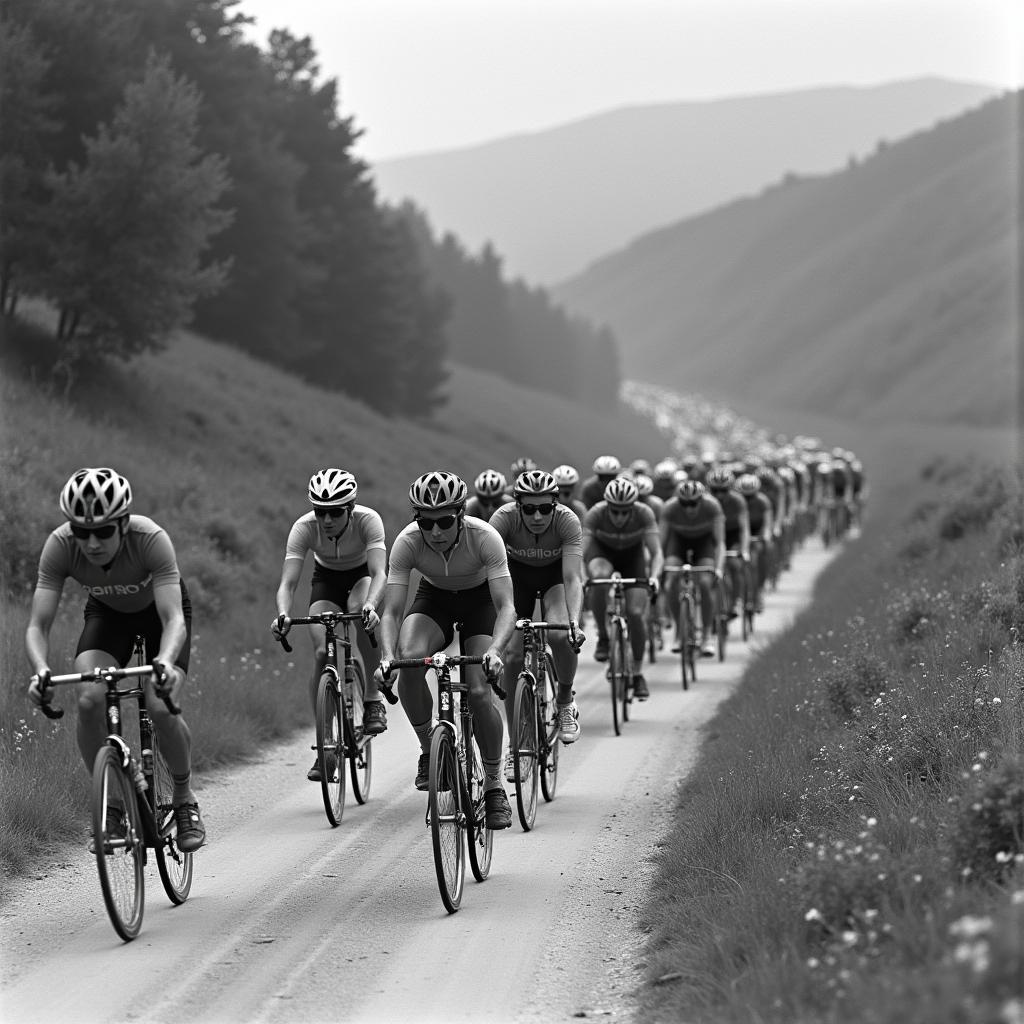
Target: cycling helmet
[[606, 465], [720, 479], [534, 483], [521, 465], [690, 490], [640, 466], [644, 484], [665, 469], [332, 487], [621, 491], [565, 476], [490, 484], [93, 497], [439, 489], [748, 484]]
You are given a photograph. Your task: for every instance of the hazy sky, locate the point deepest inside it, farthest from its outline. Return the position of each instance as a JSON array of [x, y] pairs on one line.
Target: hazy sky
[[420, 75]]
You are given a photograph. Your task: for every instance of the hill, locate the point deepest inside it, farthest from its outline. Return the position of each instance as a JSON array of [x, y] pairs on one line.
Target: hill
[[553, 201], [887, 290]]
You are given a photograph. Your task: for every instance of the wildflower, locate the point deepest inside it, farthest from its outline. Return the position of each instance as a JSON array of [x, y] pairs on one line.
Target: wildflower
[[970, 927], [813, 915]]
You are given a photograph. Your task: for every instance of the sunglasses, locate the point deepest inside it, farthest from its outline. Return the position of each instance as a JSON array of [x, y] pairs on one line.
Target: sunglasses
[[622, 512], [689, 504], [545, 509], [426, 524], [338, 512], [102, 532]]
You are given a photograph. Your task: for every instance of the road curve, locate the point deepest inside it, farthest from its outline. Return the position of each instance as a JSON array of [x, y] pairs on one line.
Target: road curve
[[292, 921]]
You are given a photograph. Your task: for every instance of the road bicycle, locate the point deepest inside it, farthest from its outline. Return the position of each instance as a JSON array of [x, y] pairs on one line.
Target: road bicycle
[[745, 598], [132, 801], [690, 622], [456, 809], [534, 729], [340, 738], [619, 671]]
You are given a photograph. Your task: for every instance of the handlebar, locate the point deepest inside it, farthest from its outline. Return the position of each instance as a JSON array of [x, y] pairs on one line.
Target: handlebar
[[108, 675], [329, 619], [441, 661], [625, 581], [576, 637]]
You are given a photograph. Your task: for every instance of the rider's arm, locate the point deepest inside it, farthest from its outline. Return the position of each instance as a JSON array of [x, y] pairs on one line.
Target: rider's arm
[[377, 563], [505, 621], [654, 554], [572, 578], [395, 595], [167, 598], [290, 573], [37, 635], [745, 533], [718, 532]]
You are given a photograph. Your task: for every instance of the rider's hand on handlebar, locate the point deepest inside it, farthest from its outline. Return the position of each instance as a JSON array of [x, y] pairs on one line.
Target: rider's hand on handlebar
[[383, 671], [280, 626], [371, 620], [492, 663], [654, 584], [37, 693], [576, 636], [163, 679]]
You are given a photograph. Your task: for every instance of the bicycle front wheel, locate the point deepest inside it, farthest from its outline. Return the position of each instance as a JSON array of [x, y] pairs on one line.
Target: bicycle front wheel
[[525, 749], [479, 838], [616, 672], [330, 748], [117, 840], [360, 746], [548, 731], [687, 640], [444, 799], [175, 867]]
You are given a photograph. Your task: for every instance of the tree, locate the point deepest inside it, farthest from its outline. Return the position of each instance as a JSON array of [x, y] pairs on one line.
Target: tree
[[127, 229]]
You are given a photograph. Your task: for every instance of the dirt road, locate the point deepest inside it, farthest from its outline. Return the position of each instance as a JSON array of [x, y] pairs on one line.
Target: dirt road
[[292, 921]]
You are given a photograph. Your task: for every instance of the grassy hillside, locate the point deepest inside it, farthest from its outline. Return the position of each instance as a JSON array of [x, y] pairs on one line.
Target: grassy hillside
[[889, 290]]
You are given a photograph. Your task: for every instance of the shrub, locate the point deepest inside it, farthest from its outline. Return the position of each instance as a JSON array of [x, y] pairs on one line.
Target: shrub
[[988, 838], [854, 681]]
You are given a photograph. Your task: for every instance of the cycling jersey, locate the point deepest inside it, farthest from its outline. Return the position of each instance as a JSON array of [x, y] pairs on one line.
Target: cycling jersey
[[759, 511], [478, 555], [144, 560], [690, 525], [563, 535], [592, 489], [476, 506], [631, 532], [365, 531]]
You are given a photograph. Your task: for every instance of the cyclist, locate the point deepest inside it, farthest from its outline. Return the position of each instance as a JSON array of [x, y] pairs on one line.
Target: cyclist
[[759, 514], [606, 468], [721, 484], [694, 521], [490, 487], [521, 465], [645, 488], [664, 478], [465, 579], [567, 478], [127, 566], [349, 566], [544, 543], [620, 535]]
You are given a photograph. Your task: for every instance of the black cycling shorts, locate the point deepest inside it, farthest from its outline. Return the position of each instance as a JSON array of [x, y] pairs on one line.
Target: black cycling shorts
[[628, 562], [473, 608], [702, 548], [114, 632], [335, 585], [527, 580]]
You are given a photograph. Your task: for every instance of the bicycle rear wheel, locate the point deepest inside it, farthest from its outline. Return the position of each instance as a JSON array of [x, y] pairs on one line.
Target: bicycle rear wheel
[[626, 688], [525, 749], [330, 748], [479, 838], [444, 798], [175, 866], [117, 840], [359, 745], [548, 730], [616, 673], [686, 642]]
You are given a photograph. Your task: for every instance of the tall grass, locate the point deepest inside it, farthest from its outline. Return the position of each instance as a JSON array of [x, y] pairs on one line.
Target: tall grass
[[219, 449], [852, 846]]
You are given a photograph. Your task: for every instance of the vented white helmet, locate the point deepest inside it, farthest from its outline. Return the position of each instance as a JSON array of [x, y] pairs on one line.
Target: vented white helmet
[[93, 497], [332, 487], [439, 489]]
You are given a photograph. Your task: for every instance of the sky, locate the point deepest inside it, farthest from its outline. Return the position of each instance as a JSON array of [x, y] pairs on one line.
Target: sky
[[426, 75]]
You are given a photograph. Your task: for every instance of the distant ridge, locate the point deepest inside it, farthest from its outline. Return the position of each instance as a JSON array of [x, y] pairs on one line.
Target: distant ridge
[[553, 201], [889, 290]]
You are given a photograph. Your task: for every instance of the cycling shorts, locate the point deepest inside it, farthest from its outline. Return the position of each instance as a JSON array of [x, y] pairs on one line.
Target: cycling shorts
[[335, 585], [628, 562], [114, 632], [702, 548], [474, 608], [527, 580], [732, 539]]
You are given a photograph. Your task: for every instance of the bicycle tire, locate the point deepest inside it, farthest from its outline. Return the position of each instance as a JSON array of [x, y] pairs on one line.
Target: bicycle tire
[[525, 744], [653, 625], [721, 614], [119, 862], [444, 809], [479, 838], [616, 673], [358, 744], [626, 687], [548, 730], [330, 748], [174, 865], [685, 641]]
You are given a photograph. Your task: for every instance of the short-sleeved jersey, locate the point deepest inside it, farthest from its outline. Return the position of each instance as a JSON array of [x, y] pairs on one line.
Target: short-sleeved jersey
[[144, 560], [564, 535], [477, 556], [734, 508], [654, 503], [592, 489], [638, 525], [759, 510], [691, 525], [365, 531], [476, 506]]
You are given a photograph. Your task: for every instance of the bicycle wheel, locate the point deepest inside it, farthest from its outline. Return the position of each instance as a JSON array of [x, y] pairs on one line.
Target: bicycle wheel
[[117, 840], [525, 749], [444, 797], [685, 641], [626, 686], [745, 602], [175, 867], [547, 729], [616, 672], [479, 838], [358, 744], [330, 747], [653, 628], [721, 620]]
